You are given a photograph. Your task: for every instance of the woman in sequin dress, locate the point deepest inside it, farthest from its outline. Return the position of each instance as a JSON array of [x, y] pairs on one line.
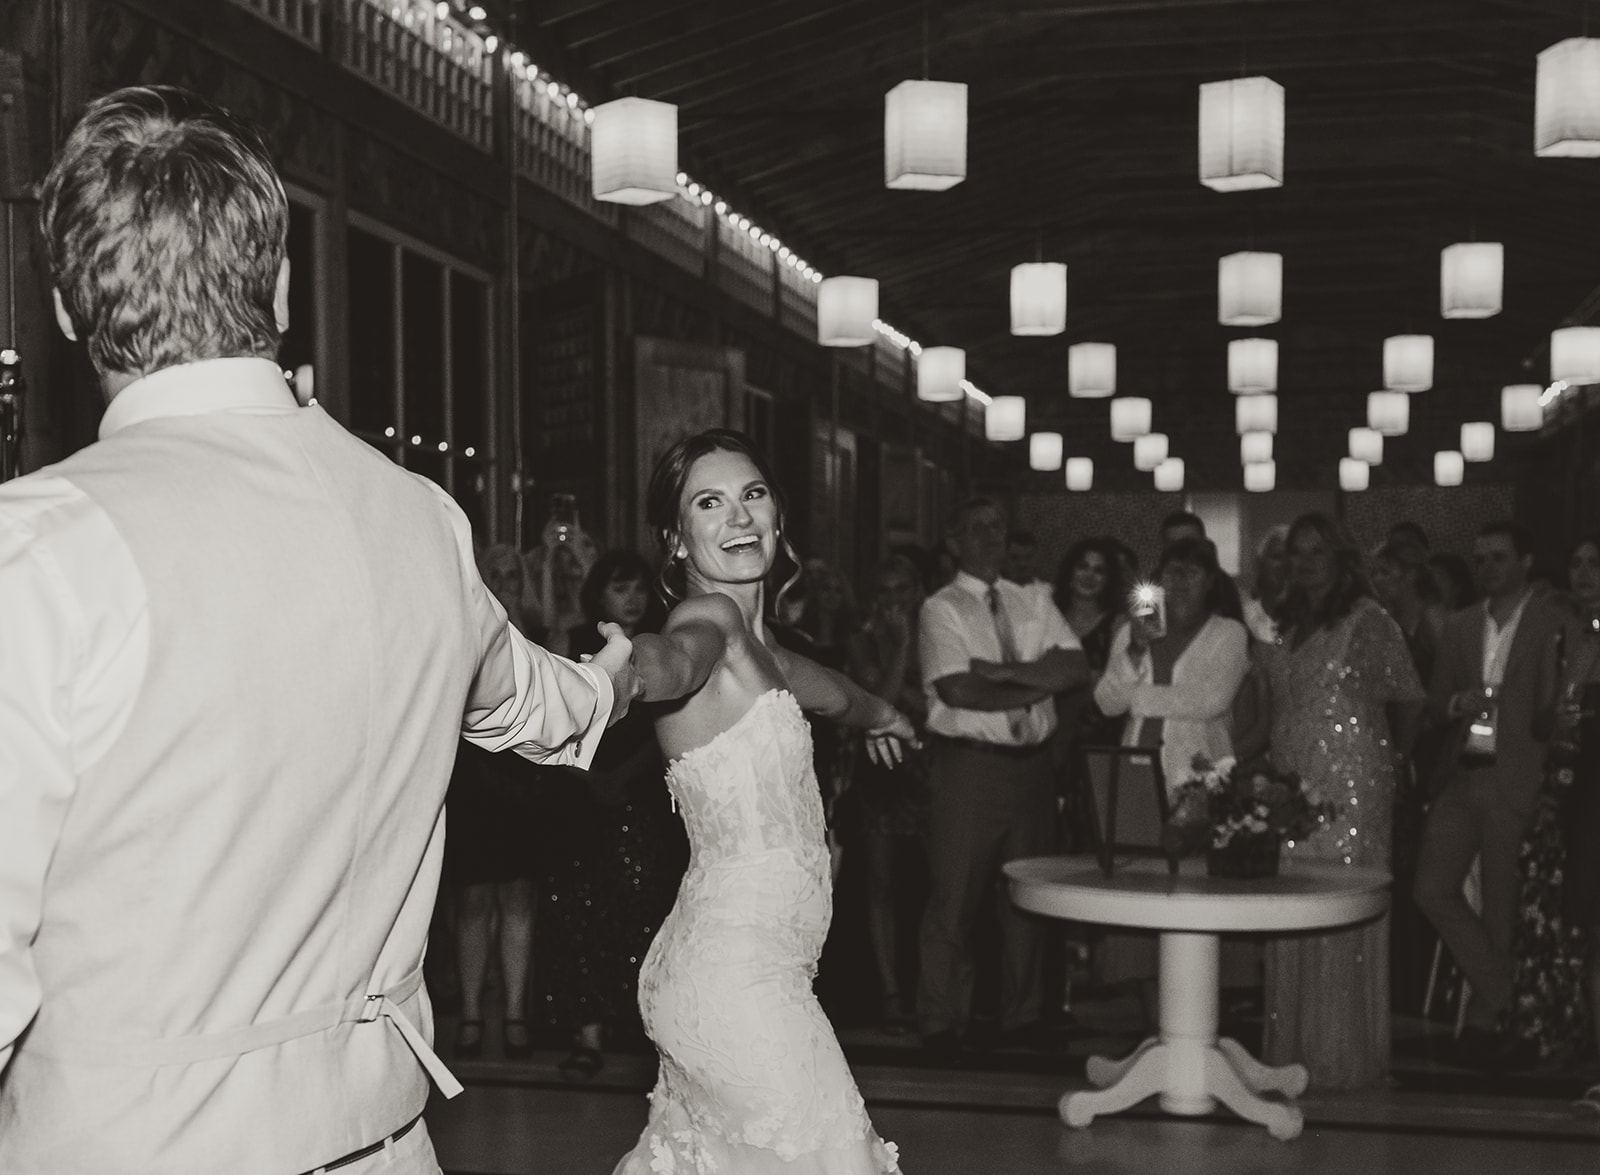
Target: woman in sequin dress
[[1337, 673]]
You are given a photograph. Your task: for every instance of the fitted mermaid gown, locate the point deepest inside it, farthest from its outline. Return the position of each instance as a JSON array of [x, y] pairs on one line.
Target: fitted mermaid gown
[[752, 1080]]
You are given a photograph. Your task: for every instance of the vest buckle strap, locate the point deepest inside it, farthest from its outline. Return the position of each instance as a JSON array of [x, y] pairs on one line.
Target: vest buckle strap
[[372, 1009]]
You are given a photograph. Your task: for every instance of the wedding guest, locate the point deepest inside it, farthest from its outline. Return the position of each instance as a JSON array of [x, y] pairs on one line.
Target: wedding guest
[[1021, 562], [993, 656], [490, 859], [1183, 524], [240, 646], [1552, 1016], [1272, 577], [617, 847], [556, 570], [1407, 533], [1495, 685], [1452, 578], [890, 825], [1402, 583], [1336, 676]]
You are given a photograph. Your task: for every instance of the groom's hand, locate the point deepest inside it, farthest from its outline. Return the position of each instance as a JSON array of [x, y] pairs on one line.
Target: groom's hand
[[615, 660]]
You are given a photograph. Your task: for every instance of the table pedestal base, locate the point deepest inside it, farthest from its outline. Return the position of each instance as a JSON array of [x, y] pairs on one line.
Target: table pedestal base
[[1188, 1066]]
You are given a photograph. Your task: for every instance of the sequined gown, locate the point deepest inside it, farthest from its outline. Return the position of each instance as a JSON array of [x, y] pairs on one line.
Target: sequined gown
[[752, 1079], [1327, 994]]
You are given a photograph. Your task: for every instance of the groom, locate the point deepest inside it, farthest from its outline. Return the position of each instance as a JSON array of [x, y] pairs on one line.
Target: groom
[[238, 647]]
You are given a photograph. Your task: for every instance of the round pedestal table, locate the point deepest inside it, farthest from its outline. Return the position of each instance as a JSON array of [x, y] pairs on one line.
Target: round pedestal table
[[1187, 1065]]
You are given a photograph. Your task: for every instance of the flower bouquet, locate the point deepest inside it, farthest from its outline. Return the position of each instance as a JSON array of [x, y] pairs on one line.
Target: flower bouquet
[[1240, 813]]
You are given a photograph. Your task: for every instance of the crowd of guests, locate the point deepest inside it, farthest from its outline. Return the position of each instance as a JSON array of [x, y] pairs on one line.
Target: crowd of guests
[[1445, 709]]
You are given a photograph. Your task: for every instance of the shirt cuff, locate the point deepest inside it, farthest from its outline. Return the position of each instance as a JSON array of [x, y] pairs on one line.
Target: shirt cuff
[[605, 700]]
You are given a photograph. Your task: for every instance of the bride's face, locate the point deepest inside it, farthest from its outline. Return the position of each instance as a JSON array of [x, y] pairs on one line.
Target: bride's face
[[727, 521]]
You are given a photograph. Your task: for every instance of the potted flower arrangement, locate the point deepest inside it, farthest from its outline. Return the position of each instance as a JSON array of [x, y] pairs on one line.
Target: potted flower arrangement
[[1241, 813]]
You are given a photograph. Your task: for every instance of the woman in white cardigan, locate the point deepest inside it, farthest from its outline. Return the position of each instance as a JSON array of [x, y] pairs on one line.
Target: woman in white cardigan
[[1178, 689]]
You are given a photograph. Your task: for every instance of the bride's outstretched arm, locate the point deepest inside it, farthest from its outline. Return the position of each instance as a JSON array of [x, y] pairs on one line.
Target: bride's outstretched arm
[[678, 661], [834, 696]]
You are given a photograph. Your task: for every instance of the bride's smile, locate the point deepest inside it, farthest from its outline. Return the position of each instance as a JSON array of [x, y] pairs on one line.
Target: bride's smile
[[729, 525]]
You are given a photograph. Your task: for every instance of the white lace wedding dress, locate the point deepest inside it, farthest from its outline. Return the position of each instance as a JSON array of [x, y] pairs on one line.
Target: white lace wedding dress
[[752, 1079]]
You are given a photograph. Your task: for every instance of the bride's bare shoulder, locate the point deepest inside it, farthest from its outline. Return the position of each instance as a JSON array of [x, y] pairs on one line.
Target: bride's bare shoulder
[[713, 608]]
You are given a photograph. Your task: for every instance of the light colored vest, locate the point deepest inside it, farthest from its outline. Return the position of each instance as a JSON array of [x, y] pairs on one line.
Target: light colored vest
[[260, 850]]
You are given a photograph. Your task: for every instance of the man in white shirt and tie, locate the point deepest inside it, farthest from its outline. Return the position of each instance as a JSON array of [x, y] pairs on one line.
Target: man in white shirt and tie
[[239, 646], [994, 654]]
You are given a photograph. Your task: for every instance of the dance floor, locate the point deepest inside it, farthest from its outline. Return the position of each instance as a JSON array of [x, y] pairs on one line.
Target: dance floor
[[997, 1113]]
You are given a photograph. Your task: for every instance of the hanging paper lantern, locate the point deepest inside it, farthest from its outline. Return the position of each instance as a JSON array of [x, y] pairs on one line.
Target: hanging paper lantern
[[1448, 468], [1354, 474], [846, 309], [925, 135], [1149, 451], [1130, 418], [1256, 413], [1477, 441], [1169, 475], [1566, 99], [1389, 412], [1092, 370], [1471, 277], [940, 371], [1366, 445], [1039, 298], [1408, 363], [633, 145], [1044, 451], [1250, 289], [1255, 446], [1520, 410], [1252, 366], [1575, 354], [1080, 473], [1260, 476], [1006, 419], [1241, 134]]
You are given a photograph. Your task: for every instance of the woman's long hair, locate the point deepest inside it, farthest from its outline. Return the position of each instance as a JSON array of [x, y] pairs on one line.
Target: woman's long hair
[[663, 510], [1295, 609], [620, 565], [1113, 591]]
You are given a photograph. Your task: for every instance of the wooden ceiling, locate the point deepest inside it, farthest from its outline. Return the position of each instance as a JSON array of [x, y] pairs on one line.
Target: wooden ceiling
[[1409, 126]]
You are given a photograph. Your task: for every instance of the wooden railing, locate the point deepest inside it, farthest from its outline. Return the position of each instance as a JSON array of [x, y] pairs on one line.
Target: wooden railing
[[550, 141], [432, 63], [300, 18]]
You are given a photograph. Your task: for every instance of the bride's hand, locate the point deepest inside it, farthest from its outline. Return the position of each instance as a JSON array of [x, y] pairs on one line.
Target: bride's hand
[[886, 741]]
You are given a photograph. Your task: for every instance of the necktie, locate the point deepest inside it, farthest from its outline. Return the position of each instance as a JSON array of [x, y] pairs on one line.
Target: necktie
[[1008, 653]]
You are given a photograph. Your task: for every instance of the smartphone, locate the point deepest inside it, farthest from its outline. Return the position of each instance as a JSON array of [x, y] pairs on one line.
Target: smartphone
[[563, 516], [1148, 601]]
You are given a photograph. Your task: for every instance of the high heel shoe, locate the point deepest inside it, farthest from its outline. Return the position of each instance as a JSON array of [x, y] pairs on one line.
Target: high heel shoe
[[469, 1040], [514, 1035]]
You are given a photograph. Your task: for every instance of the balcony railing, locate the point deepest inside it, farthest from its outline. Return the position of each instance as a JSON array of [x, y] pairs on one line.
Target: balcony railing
[[432, 63], [551, 142], [300, 18]]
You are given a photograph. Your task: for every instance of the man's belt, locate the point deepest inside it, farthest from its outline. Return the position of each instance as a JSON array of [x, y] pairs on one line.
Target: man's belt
[[374, 1148], [1004, 750]]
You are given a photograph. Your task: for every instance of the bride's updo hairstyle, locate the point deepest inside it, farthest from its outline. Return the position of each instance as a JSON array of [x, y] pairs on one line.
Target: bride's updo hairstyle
[[663, 508]]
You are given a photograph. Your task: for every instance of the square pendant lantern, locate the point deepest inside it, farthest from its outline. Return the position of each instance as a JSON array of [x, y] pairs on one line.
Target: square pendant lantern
[[1389, 413], [1039, 298], [1130, 418], [1575, 354], [1566, 99], [1354, 474], [633, 145], [1091, 370], [1366, 445], [846, 309], [1250, 289], [1080, 474], [1044, 451], [1256, 414], [1260, 477], [925, 135], [1477, 441], [1241, 134], [1169, 475], [1520, 410], [1006, 419], [1252, 366], [1471, 279], [1408, 363], [1254, 447], [1448, 468], [1149, 451], [940, 371]]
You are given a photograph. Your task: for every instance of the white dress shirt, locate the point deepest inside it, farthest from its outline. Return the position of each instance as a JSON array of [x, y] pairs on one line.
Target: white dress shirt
[[956, 627]]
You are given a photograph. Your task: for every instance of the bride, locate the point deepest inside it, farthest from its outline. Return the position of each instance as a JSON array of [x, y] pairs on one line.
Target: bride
[[752, 1080]]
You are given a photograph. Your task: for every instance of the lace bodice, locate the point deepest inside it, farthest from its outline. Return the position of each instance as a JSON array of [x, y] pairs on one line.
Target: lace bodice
[[752, 1079]]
